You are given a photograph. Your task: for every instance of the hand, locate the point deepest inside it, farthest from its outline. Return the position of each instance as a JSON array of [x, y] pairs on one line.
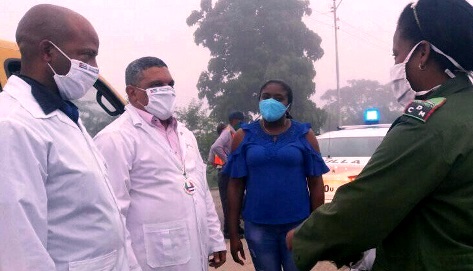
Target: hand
[[237, 247], [289, 237], [218, 259]]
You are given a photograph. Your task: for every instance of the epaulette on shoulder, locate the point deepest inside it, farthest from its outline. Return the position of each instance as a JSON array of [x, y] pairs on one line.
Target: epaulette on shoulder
[[423, 109]]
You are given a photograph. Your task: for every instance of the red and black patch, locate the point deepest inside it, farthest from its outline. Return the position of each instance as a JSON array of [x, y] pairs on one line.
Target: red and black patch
[[422, 110]]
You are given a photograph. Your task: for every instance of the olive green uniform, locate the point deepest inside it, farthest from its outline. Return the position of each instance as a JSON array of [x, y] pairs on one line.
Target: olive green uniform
[[413, 200]]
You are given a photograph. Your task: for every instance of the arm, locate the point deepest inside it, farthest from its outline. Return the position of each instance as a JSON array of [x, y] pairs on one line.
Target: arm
[[235, 191], [216, 241], [388, 188], [118, 157], [225, 139], [211, 157], [217, 247], [23, 199], [316, 190], [315, 183]]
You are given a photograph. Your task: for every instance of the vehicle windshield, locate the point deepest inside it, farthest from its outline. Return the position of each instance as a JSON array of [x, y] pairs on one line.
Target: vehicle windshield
[[349, 146], [92, 115]]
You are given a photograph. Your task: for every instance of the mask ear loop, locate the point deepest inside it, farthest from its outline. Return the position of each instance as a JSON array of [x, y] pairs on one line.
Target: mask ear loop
[[64, 54], [456, 64], [55, 46], [447, 71]]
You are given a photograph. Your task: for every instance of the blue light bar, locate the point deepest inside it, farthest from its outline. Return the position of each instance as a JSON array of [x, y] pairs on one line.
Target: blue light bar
[[371, 116]]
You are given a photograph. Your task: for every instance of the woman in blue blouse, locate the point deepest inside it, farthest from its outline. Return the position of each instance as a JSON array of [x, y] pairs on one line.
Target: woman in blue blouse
[[276, 164]]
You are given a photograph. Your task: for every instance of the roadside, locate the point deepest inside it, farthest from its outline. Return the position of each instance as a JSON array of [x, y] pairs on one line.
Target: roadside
[[230, 265]]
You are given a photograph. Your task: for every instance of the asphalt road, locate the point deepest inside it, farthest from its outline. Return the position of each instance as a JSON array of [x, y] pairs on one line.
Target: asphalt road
[[230, 265]]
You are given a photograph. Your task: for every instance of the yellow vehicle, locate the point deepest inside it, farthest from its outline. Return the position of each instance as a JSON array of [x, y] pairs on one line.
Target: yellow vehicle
[[347, 151], [97, 108]]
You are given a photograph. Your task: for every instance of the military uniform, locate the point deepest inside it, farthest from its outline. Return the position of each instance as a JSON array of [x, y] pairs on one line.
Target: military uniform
[[413, 200]]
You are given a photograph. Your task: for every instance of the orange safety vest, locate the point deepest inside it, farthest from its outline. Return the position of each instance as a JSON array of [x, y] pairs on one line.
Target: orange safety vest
[[218, 161]]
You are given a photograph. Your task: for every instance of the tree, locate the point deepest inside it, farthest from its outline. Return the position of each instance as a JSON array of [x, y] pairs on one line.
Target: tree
[[251, 42], [355, 98], [196, 119]]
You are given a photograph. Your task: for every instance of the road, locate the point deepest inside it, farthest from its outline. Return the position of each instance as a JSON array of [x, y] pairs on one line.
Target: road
[[230, 265]]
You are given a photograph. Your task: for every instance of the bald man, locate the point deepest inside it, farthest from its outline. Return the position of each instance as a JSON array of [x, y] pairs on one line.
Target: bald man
[[57, 211]]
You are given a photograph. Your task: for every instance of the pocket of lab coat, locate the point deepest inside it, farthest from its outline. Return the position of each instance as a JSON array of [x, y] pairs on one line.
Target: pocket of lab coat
[[167, 244], [102, 263]]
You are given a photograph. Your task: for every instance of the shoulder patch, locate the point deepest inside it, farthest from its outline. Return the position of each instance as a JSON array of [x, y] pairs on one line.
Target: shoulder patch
[[422, 110]]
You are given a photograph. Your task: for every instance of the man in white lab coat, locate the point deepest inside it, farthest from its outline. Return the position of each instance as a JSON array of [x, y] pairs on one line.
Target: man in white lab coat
[[159, 177], [57, 208]]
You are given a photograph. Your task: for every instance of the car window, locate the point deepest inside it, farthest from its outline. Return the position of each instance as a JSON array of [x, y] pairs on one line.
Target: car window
[[94, 116], [349, 146]]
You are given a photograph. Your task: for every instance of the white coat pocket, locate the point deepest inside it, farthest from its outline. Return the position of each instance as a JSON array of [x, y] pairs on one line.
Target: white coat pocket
[[167, 244], [105, 262]]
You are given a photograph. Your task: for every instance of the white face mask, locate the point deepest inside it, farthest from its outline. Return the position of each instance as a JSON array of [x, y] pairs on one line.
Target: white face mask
[[161, 101], [80, 78], [400, 85]]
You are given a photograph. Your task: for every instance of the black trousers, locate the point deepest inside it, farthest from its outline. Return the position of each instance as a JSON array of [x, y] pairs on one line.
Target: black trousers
[[223, 180]]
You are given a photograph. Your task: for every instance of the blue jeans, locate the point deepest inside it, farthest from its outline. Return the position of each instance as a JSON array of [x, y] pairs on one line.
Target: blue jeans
[[267, 245]]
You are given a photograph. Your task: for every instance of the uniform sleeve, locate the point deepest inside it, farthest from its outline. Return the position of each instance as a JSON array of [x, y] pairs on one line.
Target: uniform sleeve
[[216, 241], [23, 200], [211, 158], [118, 154], [408, 165]]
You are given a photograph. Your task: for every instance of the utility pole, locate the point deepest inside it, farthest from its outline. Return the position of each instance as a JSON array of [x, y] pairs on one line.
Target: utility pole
[[335, 7]]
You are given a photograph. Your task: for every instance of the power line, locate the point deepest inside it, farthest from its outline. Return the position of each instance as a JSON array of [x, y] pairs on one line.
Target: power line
[[364, 32], [355, 32]]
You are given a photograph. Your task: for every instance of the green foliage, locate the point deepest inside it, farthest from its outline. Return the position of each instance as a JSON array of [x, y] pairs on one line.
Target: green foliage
[[204, 127], [355, 98], [251, 42]]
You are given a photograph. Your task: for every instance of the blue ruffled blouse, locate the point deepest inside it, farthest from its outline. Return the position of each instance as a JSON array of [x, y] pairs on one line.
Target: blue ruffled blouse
[[275, 172]]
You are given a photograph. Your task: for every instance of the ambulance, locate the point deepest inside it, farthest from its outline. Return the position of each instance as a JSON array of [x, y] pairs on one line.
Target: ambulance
[[347, 150], [100, 106]]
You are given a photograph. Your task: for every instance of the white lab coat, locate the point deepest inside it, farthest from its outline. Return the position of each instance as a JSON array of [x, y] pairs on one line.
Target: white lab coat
[[169, 229], [57, 209]]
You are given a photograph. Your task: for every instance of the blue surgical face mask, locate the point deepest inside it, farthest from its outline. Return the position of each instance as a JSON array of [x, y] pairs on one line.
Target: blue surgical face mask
[[272, 110]]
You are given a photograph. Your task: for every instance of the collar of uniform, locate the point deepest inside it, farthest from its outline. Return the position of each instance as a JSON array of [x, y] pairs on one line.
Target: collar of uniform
[[461, 82], [154, 121], [45, 98]]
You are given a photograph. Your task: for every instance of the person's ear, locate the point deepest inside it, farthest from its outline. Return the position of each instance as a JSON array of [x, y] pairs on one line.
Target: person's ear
[[131, 93], [45, 48], [425, 54]]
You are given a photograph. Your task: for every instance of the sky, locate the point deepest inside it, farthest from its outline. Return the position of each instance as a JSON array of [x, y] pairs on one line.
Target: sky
[[132, 29]]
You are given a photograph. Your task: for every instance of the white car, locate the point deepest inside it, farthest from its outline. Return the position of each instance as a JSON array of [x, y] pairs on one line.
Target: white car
[[347, 151]]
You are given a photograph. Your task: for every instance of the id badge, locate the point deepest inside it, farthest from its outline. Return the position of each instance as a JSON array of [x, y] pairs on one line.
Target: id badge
[[189, 187]]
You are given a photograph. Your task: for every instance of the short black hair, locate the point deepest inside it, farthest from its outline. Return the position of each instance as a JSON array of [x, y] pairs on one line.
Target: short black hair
[[220, 127], [135, 68], [236, 115], [283, 84], [447, 24]]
